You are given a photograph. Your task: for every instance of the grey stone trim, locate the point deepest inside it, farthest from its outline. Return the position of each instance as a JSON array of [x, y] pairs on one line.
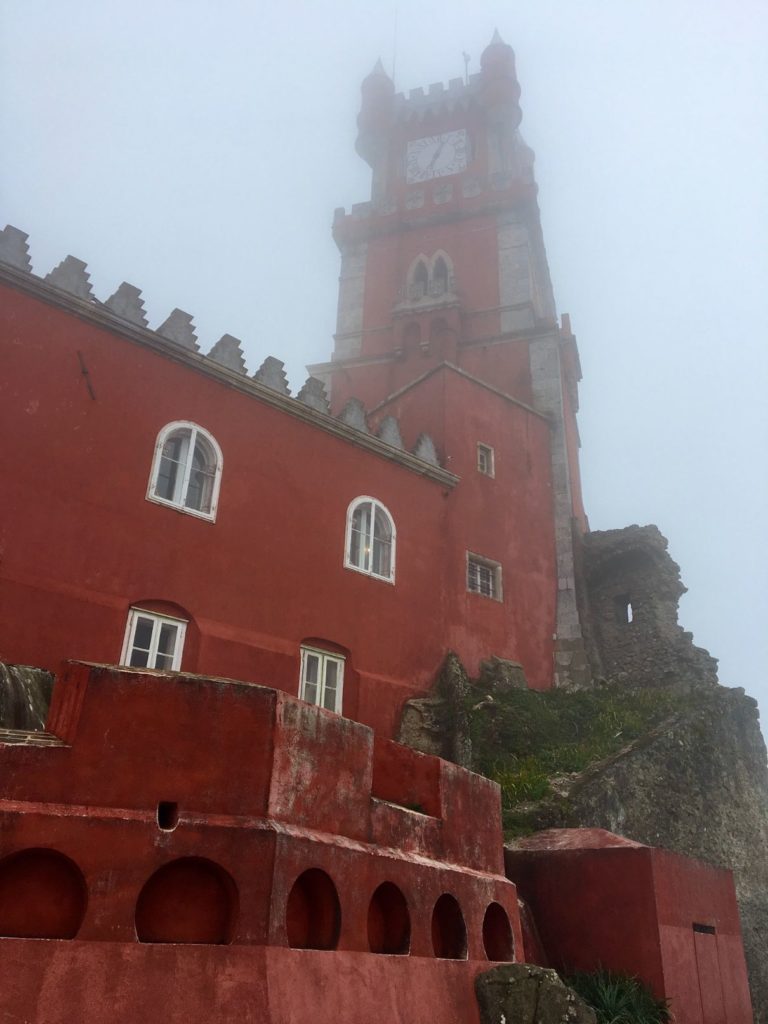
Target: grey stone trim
[[349, 317], [425, 450], [271, 374], [71, 276], [546, 379], [127, 303], [515, 284], [467, 376], [353, 414], [178, 327], [389, 432], [103, 318], [14, 249], [313, 394], [228, 351]]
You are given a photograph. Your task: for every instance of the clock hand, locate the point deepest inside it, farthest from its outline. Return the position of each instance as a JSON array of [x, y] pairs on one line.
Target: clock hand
[[438, 151]]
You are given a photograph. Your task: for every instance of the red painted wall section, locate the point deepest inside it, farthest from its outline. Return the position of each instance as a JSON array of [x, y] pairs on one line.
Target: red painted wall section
[[86, 546], [507, 518], [599, 900], [592, 908], [63, 982], [704, 971]]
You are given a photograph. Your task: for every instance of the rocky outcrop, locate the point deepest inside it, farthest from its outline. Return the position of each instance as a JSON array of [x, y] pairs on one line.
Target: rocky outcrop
[[524, 994], [439, 724], [25, 694], [697, 784]]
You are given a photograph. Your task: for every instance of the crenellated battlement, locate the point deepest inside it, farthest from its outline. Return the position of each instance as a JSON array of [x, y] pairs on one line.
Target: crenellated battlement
[[125, 312]]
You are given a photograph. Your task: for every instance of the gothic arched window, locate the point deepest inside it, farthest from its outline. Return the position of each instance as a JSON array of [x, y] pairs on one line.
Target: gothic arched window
[[440, 277], [186, 470], [420, 281], [370, 541]]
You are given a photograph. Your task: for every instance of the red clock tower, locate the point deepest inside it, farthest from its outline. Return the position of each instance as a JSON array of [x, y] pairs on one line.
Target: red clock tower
[[447, 322]]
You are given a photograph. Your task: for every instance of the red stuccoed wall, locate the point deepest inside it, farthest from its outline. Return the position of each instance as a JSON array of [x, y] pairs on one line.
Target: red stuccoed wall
[[632, 909], [82, 545]]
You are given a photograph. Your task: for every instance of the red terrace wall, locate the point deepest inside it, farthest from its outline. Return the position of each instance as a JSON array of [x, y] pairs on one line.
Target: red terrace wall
[[632, 909], [99, 983], [269, 791]]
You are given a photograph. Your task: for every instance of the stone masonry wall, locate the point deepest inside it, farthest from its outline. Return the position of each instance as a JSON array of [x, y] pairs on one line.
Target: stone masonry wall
[[632, 589]]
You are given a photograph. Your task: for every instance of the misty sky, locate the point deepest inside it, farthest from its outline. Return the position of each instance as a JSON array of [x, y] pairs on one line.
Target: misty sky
[[198, 150]]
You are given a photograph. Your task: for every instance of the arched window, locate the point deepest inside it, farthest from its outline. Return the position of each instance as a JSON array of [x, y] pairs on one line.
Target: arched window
[[186, 470], [420, 281], [440, 277], [370, 545]]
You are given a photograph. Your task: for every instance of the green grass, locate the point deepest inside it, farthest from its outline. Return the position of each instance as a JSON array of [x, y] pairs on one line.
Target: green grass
[[527, 738], [619, 999]]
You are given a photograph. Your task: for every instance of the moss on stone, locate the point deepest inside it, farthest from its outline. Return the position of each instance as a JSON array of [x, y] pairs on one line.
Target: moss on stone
[[529, 741]]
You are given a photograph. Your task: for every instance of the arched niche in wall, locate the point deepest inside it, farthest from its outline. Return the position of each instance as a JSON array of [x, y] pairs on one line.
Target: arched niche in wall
[[42, 895], [188, 900], [497, 934], [449, 932], [389, 923], [313, 912]]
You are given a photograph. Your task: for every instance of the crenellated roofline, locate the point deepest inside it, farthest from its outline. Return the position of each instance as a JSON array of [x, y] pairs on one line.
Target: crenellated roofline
[[68, 287]]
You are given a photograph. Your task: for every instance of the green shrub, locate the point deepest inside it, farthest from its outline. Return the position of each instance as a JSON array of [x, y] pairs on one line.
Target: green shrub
[[619, 999]]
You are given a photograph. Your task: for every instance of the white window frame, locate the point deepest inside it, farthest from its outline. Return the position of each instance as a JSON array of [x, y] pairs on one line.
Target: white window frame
[[485, 452], [348, 562], [158, 620], [325, 657], [486, 563], [195, 431]]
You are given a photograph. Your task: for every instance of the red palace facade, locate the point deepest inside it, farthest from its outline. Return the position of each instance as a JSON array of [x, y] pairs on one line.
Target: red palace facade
[[262, 850]]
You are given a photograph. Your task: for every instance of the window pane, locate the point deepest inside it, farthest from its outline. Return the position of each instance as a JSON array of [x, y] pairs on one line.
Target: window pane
[[200, 487], [166, 644], [331, 683], [169, 474], [142, 637], [163, 661], [311, 676], [360, 540], [382, 558], [138, 659]]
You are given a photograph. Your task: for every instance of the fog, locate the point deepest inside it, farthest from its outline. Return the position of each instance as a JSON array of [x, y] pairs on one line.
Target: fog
[[198, 150]]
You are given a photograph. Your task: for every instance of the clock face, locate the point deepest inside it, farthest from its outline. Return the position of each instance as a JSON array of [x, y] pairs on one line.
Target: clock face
[[436, 156]]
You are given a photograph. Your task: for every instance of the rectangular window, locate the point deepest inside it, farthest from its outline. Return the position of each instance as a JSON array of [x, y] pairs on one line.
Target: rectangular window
[[153, 641], [484, 577], [485, 460], [322, 678]]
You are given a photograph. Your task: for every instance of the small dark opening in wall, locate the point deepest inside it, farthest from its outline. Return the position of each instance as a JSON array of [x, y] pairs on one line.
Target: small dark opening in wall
[[706, 929], [167, 815], [622, 607]]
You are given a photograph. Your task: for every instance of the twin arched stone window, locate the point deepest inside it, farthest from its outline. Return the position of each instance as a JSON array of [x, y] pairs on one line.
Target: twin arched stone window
[[430, 277]]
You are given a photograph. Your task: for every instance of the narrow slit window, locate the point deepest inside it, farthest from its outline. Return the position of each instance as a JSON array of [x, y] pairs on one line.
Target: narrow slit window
[[485, 460]]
